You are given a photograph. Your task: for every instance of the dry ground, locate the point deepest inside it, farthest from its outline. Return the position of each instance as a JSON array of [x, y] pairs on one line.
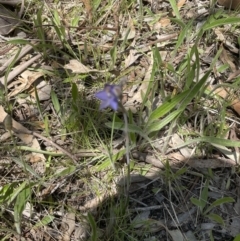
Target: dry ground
[[63, 163]]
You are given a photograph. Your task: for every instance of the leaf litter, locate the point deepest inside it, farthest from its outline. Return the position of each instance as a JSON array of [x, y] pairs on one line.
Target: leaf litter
[[136, 44]]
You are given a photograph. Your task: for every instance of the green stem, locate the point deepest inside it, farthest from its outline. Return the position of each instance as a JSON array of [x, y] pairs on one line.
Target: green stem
[[127, 146]]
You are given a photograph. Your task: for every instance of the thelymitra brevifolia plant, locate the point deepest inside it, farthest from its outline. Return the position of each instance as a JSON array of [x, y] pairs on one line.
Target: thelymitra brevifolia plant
[[111, 96]]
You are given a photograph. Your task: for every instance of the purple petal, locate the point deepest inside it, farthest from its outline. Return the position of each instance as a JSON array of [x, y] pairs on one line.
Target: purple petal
[[114, 104], [104, 104], [102, 95]]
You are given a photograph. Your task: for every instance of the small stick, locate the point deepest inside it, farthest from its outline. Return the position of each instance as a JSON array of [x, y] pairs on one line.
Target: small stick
[[146, 208], [26, 49], [48, 141], [55, 145]]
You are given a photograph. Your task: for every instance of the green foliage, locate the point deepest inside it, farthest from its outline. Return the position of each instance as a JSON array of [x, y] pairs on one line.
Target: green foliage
[[44, 221], [21, 200], [212, 22], [175, 8], [56, 103], [181, 86], [205, 208], [93, 227], [237, 238]]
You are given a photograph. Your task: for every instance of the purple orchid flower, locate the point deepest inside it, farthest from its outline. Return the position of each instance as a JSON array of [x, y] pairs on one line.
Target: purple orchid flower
[[109, 96]]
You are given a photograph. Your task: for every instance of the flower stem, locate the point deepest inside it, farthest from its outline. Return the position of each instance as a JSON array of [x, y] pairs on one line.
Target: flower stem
[[126, 132]]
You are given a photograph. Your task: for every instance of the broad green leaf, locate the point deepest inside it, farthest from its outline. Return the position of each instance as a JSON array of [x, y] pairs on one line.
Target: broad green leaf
[[22, 164], [113, 54], [211, 236], [56, 18], [237, 238], [216, 57], [215, 218], [75, 21], [218, 203], [38, 22], [46, 125], [6, 192], [27, 148], [197, 202], [166, 107], [38, 101], [186, 97], [132, 135], [9, 68], [19, 206], [193, 92], [56, 103], [190, 76], [153, 67], [131, 128], [66, 171], [93, 227], [16, 192], [22, 42], [182, 36], [211, 140], [220, 22], [156, 126], [178, 21], [222, 68], [204, 195], [181, 171], [120, 126], [44, 221], [106, 163], [175, 8], [74, 92], [95, 4]]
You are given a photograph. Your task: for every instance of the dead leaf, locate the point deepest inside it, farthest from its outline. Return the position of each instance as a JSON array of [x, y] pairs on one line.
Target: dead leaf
[[140, 94], [77, 67], [11, 2], [235, 104], [235, 226], [145, 157], [177, 141], [233, 155], [24, 82], [43, 91], [227, 59], [164, 22], [130, 32], [233, 75], [94, 203], [210, 163], [82, 232], [140, 219], [151, 226], [219, 34], [68, 226], [8, 21], [132, 57], [180, 3], [28, 139], [230, 4], [190, 235], [176, 235], [88, 8], [183, 218], [28, 210]]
